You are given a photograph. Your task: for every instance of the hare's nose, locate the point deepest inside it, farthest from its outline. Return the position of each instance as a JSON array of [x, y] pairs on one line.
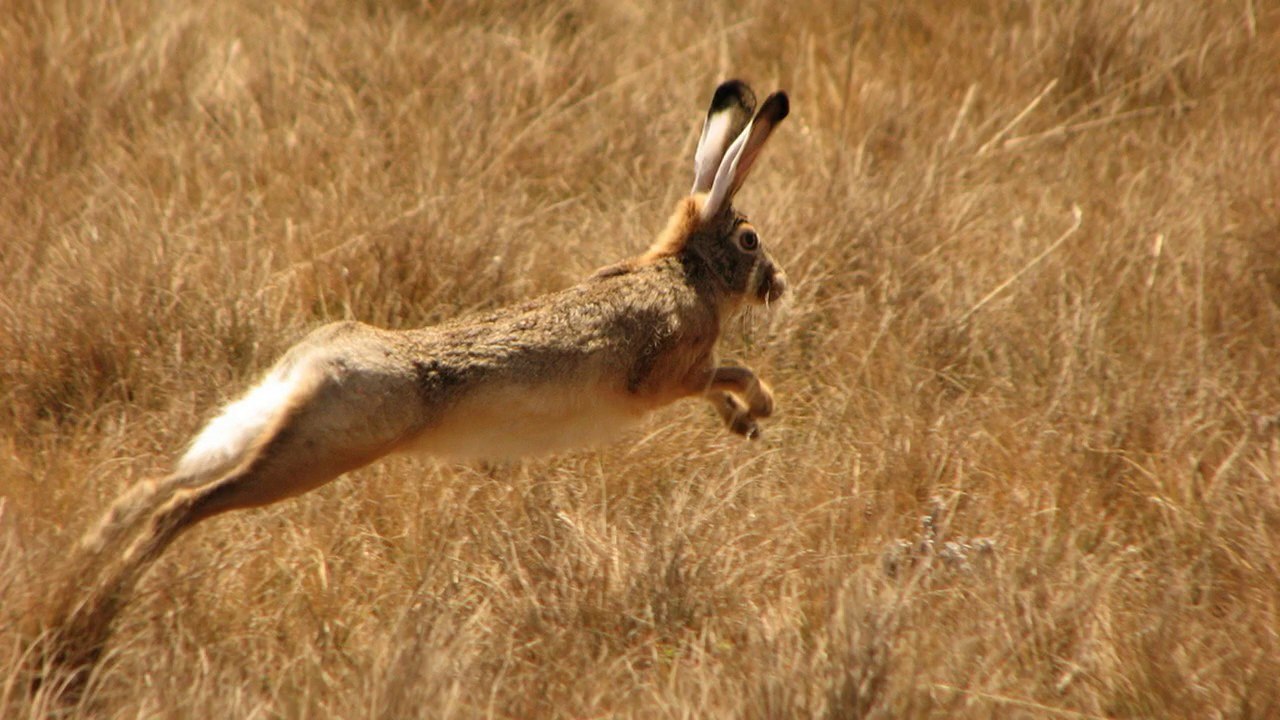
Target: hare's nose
[[779, 285], [774, 284]]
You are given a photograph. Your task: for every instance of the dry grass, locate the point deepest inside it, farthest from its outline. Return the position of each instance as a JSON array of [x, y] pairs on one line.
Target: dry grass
[[1065, 503]]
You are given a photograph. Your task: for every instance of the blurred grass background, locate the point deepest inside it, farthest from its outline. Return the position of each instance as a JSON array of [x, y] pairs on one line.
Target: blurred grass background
[[1059, 500]]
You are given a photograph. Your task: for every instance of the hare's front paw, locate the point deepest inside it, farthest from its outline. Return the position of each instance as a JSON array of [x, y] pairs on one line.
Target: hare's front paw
[[729, 382], [761, 400], [746, 426], [736, 416]]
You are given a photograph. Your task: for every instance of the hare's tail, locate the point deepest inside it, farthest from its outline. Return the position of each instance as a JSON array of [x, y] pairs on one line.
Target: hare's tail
[[106, 565]]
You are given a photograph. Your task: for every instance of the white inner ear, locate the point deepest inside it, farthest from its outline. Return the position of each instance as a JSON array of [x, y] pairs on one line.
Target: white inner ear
[[719, 194], [706, 159]]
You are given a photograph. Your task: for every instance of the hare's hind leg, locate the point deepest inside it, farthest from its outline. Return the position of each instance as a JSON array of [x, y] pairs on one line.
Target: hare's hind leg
[[298, 446], [82, 624], [282, 470]]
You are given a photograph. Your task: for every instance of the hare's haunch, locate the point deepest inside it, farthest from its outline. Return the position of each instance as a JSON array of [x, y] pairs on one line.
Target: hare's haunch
[[563, 370]]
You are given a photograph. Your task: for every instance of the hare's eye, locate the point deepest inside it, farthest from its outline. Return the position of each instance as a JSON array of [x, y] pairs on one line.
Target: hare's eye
[[748, 241]]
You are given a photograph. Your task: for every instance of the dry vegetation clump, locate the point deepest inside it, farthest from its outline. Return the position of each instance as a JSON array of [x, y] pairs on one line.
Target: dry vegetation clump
[[1058, 499]]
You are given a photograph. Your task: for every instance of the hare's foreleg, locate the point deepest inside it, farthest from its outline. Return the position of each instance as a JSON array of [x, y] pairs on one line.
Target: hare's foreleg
[[740, 398], [742, 382], [735, 415]]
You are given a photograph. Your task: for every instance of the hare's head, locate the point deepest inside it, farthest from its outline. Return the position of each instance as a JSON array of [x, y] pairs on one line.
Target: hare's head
[[706, 227]]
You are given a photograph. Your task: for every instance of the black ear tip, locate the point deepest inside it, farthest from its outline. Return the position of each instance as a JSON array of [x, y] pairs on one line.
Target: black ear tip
[[776, 106], [730, 93]]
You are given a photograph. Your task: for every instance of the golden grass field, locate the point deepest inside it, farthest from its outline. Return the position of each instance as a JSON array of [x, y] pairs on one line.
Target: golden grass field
[[1017, 470]]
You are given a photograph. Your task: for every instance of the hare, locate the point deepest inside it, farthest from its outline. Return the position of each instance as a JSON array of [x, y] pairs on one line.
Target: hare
[[562, 370]]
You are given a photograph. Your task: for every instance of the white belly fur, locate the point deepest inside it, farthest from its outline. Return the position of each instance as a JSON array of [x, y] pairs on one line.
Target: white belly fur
[[511, 422]]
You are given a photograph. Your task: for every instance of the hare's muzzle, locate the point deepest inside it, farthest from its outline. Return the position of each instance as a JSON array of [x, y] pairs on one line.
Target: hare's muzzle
[[773, 284]]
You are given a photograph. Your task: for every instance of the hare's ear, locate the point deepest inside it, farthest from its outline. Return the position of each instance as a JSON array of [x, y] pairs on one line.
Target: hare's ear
[[731, 108], [742, 154]]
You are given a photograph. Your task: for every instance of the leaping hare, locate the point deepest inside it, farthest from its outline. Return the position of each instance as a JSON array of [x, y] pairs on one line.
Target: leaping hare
[[561, 370]]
